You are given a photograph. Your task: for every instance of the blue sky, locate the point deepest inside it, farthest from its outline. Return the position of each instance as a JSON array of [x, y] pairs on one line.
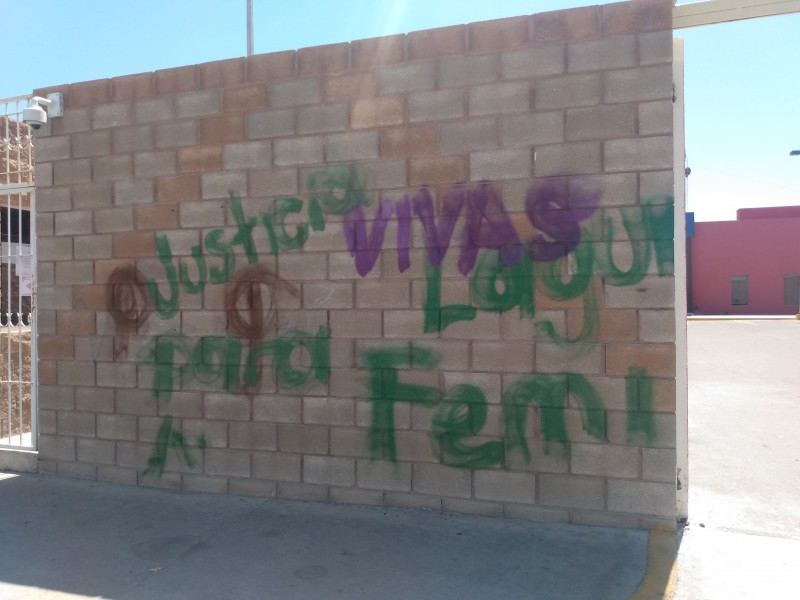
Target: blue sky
[[742, 83]]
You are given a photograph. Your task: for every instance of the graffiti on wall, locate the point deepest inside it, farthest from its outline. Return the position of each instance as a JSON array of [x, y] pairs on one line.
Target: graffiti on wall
[[569, 242]]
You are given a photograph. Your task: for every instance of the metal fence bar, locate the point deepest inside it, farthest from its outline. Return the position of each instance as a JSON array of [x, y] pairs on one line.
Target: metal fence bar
[[17, 240]]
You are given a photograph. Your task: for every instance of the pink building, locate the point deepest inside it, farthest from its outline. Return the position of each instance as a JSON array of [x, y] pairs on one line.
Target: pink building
[[748, 266]]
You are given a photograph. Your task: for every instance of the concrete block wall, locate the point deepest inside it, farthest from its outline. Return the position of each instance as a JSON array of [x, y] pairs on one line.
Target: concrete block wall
[[427, 270]]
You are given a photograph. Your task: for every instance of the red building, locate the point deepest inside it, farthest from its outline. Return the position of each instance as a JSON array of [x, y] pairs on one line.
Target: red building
[[750, 266]]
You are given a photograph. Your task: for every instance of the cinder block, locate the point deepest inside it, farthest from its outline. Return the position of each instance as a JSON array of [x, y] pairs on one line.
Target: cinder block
[[215, 433], [94, 143], [651, 292], [272, 182], [385, 50], [655, 47], [502, 98], [138, 191], [296, 92], [151, 164], [327, 295], [113, 220], [129, 245], [356, 323], [569, 91], [245, 98], [179, 79], [93, 399], [132, 86], [641, 497], [505, 356], [299, 151], [270, 123], [304, 491], [201, 483], [66, 172], [54, 248], [436, 170], [384, 293], [436, 106], [197, 104], [601, 122], [247, 155], [265, 67], [148, 110], [657, 325], [74, 272], [321, 59], [498, 34], [73, 424], [277, 466], [485, 326], [532, 129], [401, 79], [328, 411], [226, 463], [303, 439], [494, 165], [383, 475], [639, 85], [325, 470], [630, 17], [467, 136], [442, 480], [604, 460], [409, 141], [350, 86], [108, 168], [531, 63], [74, 120], [96, 452], [221, 130], [253, 436], [302, 266], [571, 491], [468, 70], [56, 448], [503, 486], [659, 464], [117, 427], [574, 158], [227, 407], [655, 117], [350, 441], [656, 184], [433, 43], [54, 199], [638, 154], [111, 115], [377, 112], [658, 359], [351, 146], [218, 185], [53, 148], [322, 118], [552, 358], [132, 139], [603, 54], [178, 133]]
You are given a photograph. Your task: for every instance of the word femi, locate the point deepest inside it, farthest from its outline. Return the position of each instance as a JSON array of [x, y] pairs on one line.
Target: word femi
[[462, 410], [296, 358]]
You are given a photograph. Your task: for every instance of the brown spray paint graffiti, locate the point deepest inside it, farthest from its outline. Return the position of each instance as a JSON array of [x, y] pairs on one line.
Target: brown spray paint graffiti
[[128, 304]]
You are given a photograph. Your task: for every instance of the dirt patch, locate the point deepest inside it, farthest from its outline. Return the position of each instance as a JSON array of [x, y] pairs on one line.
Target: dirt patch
[[15, 385]]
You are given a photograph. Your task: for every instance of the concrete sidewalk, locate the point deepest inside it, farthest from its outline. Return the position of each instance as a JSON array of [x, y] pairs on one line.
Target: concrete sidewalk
[[63, 538]]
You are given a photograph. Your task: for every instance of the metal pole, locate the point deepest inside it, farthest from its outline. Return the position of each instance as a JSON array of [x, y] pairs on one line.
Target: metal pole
[[249, 27]]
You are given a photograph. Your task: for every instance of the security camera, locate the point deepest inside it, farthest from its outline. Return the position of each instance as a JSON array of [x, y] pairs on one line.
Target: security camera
[[36, 116]]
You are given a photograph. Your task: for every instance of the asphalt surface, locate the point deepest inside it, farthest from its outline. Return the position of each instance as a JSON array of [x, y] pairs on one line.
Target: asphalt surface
[[743, 536], [67, 539]]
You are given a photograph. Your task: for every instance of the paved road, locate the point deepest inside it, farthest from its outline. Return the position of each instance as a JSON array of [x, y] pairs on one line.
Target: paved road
[[743, 538]]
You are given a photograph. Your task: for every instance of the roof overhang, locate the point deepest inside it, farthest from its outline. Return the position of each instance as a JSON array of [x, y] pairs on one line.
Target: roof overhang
[[709, 12]]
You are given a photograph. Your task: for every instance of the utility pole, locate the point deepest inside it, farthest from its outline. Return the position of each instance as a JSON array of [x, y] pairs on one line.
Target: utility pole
[[249, 27]]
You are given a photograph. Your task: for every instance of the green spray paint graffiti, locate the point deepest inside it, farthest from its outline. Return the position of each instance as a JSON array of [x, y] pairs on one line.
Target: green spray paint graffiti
[[562, 262]]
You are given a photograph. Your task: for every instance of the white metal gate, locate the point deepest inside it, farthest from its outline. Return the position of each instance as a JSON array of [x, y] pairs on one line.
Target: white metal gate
[[18, 377]]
